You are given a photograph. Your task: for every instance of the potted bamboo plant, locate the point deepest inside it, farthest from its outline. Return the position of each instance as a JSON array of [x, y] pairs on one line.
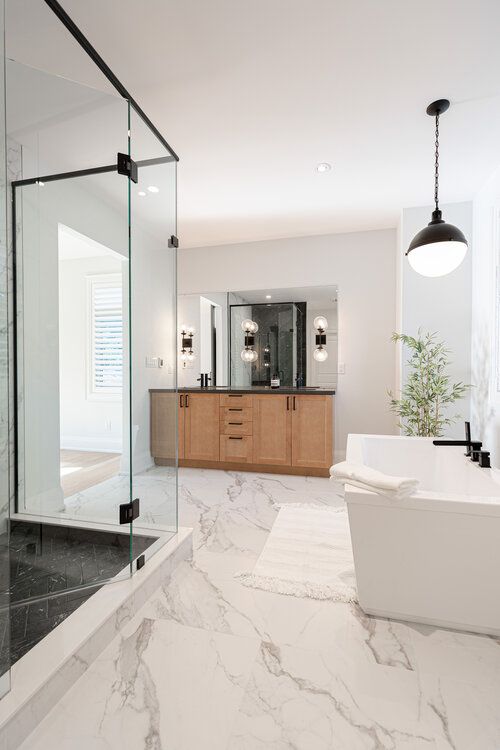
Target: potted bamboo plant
[[428, 391]]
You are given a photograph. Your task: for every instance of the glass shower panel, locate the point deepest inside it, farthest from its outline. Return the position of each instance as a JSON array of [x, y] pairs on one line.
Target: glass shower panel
[[5, 410], [153, 341]]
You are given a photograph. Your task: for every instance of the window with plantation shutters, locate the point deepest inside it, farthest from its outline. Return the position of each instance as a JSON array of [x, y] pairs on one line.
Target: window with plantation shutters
[[106, 334]]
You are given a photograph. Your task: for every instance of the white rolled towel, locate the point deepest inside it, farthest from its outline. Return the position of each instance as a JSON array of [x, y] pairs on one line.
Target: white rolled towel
[[373, 480]]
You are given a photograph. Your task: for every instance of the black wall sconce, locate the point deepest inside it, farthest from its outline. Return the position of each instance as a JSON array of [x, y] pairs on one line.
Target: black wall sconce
[[321, 324], [187, 353], [250, 328]]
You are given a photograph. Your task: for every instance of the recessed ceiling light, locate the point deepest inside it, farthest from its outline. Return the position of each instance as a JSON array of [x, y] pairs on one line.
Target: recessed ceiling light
[[141, 193], [268, 296], [153, 189], [323, 166]]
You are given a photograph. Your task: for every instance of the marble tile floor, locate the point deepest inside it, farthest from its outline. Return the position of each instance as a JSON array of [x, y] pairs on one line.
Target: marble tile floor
[[208, 664]]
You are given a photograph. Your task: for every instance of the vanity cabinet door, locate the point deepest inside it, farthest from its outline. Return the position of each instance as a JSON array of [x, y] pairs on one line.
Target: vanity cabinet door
[[312, 431], [201, 426], [163, 416], [272, 422]]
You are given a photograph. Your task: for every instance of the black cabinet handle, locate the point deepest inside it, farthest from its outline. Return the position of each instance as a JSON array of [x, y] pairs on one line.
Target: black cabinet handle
[[181, 401], [234, 437], [235, 395], [240, 423], [230, 409], [288, 403], [187, 401], [294, 403]]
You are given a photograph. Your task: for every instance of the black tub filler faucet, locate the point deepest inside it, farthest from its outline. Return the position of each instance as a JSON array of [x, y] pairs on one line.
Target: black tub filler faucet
[[473, 447]]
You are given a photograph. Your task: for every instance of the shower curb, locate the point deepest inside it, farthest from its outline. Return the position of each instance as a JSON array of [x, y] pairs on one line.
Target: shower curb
[[46, 673]]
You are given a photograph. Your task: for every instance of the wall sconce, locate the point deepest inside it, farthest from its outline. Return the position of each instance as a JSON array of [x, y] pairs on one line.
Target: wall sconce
[[187, 354], [321, 324], [250, 328]]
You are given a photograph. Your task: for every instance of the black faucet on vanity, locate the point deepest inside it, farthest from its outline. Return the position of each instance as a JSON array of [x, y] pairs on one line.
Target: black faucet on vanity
[[473, 448], [204, 379]]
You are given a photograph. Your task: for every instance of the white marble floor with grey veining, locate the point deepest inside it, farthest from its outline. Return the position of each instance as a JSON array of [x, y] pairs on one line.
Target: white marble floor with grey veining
[[209, 664]]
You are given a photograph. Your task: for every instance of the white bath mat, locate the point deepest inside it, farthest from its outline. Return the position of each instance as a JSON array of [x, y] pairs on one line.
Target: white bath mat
[[308, 553]]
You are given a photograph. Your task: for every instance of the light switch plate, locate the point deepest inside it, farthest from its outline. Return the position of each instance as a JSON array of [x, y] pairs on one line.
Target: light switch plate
[[341, 368]]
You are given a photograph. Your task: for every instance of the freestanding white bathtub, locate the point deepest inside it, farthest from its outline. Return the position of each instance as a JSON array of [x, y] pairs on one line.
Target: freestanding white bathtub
[[433, 557]]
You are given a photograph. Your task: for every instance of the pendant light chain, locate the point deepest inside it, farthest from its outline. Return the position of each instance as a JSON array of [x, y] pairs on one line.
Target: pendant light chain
[[436, 166]]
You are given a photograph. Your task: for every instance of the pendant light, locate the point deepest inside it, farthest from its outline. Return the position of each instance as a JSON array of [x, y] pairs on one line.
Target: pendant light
[[440, 247]]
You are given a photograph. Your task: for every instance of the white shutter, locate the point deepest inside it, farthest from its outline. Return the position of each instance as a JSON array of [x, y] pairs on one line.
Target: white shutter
[[106, 334]]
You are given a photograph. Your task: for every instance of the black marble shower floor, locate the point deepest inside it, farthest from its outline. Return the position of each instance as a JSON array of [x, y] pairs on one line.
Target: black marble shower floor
[[50, 562]]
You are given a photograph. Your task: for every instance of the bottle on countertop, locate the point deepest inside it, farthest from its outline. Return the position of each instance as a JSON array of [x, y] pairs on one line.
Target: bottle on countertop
[[275, 380]]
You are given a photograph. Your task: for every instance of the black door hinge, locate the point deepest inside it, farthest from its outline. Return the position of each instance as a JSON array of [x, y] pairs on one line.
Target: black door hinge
[[140, 562], [173, 241], [129, 511], [127, 167]]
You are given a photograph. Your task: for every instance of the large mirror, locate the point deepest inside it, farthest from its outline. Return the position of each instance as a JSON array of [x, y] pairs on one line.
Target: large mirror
[[256, 338]]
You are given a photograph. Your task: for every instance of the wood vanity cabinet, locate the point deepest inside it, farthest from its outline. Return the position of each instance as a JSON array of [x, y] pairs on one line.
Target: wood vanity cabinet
[[200, 414], [162, 427], [312, 431], [271, 432]]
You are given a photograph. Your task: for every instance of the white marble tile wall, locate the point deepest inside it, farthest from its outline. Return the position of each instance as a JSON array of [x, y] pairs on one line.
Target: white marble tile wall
[[209, 664]]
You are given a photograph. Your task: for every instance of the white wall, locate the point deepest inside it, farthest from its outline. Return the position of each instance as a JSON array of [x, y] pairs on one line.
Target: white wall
[[87, 423], [485, 397], [363, 265], [195, 310], [442, 305]]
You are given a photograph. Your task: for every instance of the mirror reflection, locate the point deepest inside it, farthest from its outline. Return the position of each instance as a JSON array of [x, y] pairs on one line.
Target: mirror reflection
[[260, 338]]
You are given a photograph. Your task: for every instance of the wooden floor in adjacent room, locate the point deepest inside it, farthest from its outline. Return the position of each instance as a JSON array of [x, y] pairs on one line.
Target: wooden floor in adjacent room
[[83, 469]]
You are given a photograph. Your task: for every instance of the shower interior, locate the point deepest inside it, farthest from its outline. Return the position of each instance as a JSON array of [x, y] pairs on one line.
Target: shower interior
[[91, 224]]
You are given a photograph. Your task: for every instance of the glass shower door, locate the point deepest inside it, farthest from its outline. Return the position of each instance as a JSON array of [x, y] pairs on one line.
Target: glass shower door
[[154, 401]]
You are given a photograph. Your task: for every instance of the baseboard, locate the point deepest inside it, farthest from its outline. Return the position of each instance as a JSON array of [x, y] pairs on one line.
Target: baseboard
[[260, 468], [97, 444]]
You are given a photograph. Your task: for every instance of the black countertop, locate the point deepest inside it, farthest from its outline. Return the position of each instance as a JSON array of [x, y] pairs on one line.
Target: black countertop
[[251, 389]]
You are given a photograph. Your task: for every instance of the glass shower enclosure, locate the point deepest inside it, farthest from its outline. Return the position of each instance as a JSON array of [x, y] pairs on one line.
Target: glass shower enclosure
[[91, 220]]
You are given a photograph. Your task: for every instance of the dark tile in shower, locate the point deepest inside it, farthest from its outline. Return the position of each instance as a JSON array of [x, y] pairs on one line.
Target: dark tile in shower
[[47, 561]]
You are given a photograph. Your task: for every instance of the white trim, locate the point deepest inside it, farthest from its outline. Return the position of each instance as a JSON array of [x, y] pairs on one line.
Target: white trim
[[98, 444]]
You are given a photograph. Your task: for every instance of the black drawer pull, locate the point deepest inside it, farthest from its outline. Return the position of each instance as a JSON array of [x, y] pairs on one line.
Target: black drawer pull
[[233, 437], [240, 423], [230, 409], [235, 395]]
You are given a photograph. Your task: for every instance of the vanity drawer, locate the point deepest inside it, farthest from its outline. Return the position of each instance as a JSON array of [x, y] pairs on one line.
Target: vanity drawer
[[236, 413], [236, 448], [235, 426], [235, 399]]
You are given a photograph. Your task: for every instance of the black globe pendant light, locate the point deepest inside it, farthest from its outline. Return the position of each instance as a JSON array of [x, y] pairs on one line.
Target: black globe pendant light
[[440, 247]]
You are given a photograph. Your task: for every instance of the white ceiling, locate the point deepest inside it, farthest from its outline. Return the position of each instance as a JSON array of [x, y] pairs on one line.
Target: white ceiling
[[73, 245], [252, 95]]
